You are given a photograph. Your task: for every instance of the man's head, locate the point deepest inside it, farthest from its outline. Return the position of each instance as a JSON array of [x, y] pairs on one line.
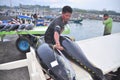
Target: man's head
[[105, 16], [66, 13]]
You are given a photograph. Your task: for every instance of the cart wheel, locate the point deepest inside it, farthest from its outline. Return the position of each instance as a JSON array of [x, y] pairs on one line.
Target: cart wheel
[[23, 45]]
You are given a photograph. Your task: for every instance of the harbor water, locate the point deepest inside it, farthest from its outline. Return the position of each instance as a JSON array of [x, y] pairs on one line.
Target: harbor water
[[90, 29]]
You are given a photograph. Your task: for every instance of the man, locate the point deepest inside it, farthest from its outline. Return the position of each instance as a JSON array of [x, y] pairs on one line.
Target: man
[[35, 17], [52, 35], [108, 24]]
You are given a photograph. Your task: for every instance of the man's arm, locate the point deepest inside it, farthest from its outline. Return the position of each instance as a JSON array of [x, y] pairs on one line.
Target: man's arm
[[107, 21], [56, 38]]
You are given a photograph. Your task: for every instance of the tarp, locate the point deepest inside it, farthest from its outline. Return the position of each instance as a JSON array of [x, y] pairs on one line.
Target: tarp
[[24, 17], [40, 22]]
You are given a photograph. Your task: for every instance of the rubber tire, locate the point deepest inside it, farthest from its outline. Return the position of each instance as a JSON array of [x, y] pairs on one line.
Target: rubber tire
[[24, 49]]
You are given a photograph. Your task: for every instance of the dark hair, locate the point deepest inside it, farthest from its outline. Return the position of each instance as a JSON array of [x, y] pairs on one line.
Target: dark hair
[[66, 9], [105, 15]]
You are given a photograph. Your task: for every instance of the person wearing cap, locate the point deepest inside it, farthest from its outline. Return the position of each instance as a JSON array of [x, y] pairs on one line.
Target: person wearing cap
[[108, 24], [56, 27]]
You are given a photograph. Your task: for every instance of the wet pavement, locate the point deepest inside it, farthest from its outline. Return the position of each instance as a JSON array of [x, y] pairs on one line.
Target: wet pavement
[[8, 53]]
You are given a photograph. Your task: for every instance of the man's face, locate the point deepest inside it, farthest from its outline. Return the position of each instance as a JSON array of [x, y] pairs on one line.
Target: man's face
[[66, 16], [105, 17]]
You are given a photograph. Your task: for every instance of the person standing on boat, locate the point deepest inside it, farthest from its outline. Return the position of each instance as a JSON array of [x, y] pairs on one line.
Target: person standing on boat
[[35, 17], [56, 27], [108, 24]]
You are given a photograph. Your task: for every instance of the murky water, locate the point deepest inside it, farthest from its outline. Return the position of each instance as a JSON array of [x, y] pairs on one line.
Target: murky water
[[90, 28]]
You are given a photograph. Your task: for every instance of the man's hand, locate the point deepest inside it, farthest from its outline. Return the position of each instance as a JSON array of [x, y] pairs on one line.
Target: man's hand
[[58, 46]]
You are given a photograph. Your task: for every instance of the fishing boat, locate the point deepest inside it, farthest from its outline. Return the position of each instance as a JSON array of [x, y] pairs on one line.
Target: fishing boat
[[77, 21], [24, 31], [26, 28]]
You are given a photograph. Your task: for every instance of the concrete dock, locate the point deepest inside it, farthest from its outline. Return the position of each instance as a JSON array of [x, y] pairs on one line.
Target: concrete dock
[[8, 53], [103, 54]]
